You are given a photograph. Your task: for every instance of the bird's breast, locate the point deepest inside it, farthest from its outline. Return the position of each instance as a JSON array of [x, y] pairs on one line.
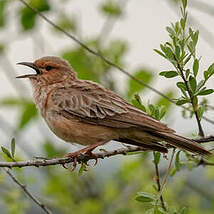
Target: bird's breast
[[40, 96], [75, 131]]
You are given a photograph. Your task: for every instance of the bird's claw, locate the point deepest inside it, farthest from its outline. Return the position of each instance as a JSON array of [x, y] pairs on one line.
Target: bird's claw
[[93, 156], [75, 156]]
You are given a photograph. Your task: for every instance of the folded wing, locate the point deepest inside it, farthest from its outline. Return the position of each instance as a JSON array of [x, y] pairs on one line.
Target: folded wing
[[97, 105]]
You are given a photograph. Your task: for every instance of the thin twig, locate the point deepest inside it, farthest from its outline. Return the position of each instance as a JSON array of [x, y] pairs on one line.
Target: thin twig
[[203, 162], [23, 187], [81, 158], [167, 173], [204, 139], [158, 183], [105, 59]]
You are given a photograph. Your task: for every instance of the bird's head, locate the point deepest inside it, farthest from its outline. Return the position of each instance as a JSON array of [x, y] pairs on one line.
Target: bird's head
[[49, 70]]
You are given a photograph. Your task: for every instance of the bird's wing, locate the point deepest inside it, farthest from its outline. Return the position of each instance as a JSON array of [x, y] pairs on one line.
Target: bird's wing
[[94, 104]]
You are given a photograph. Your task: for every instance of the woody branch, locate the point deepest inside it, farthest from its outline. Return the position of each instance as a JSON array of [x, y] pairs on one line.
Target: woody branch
[[83, 158]]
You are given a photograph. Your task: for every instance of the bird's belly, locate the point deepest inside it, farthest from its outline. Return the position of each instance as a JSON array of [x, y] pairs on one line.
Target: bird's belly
[[75, 131]]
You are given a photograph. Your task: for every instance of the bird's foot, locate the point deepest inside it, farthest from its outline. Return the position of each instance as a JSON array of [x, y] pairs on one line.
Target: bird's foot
[[89, 152], [86, 151]]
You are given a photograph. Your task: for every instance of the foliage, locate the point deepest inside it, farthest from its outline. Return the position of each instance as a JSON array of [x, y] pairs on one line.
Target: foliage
[[131, 186], [179, 52]]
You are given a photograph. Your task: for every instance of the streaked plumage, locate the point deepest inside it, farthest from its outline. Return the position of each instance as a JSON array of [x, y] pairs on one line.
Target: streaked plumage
[[84, 112]]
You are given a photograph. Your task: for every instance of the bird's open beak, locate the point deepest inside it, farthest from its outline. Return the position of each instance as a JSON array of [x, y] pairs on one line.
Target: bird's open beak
[[31, 65]]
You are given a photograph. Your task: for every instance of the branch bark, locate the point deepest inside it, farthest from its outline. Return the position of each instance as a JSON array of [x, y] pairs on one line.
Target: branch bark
[[23, 187], [82, 158]]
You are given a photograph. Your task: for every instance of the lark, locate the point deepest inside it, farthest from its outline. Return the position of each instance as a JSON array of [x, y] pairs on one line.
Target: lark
[[84, 112]]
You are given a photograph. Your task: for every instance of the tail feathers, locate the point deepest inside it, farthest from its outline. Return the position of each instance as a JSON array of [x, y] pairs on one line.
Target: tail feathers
[[150, 147], [183, 143]]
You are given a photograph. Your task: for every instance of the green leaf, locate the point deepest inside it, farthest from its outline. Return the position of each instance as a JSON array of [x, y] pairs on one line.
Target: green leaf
[[181, 85], [29, 113], [13, 147], [205, 92], [2, 12], [137, 103], [187, 73], [83, 64], [157, 113], [82, 169], [14, 102], [66, 23], [195, 38], [169, 53], [160, 53], [28, 16], [211, 69], [200, 112], [183, 23], [145, 197], [187, 59], [200, 84], [183, 210], [181, 102], [159, 210], [157, 156], [134, 87], [112, 8], [173, 171], [151, 109], [177, 52], [195, 67], [184, 2], [195, 101], [6, 152], [177, 161], [192, 83], [163, 48], [170, 30], [209, 72], [162, 112], [168, 74]]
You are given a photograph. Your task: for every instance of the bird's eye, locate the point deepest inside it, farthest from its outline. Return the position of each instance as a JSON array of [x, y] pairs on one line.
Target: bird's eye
[[48, 68]]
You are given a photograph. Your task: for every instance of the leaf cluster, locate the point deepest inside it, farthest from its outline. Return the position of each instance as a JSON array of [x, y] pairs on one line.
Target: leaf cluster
[[181, 53]]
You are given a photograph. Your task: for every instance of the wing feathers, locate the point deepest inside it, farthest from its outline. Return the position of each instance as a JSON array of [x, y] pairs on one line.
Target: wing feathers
[[102, 107]]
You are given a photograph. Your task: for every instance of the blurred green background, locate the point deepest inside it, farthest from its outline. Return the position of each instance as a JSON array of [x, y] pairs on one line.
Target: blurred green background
[[112, 186]]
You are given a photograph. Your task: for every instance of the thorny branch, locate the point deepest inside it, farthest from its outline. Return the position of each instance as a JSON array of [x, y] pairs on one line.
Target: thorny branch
[[23, 187], [104, 58], [82, 158]]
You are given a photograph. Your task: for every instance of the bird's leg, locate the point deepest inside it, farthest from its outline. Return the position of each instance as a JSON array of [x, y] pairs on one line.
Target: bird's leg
[[87, 150]]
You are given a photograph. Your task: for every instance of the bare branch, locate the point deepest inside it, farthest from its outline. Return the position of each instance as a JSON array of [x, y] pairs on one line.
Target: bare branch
[[158, 183], [203, 162], [204, 139], [82, 158], [23, 187], [104, 58]]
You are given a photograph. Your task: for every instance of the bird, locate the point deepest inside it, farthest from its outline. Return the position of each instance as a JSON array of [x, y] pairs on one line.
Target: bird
[[86, 113]]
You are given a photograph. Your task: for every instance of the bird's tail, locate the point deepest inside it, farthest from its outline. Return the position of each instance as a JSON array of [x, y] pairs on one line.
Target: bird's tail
[[183, 143]]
